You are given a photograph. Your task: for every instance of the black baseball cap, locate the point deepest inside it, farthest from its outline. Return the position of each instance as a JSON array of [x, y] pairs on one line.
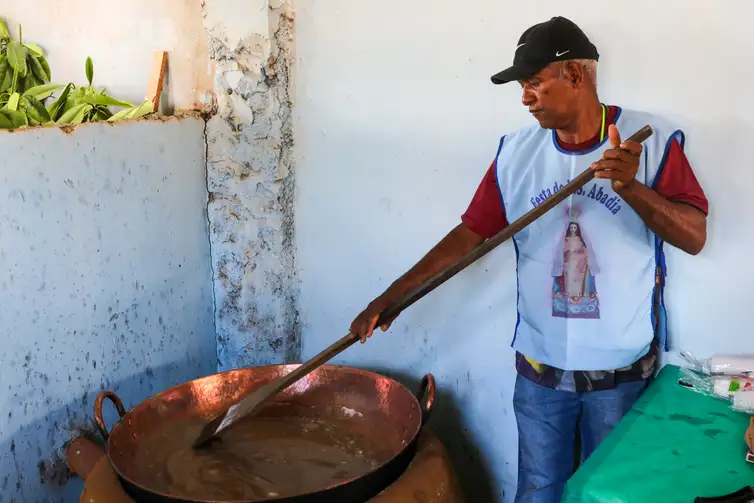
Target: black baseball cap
[[555, 40]]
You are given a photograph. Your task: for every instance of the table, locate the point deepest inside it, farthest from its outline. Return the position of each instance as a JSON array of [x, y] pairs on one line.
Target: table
[[673, 446]]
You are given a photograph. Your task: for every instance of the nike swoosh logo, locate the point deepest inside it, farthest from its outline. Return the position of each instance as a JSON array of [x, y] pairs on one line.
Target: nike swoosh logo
[[558, 54], [519, 45]]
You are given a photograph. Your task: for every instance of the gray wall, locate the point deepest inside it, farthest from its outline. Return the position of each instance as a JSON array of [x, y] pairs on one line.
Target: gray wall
[[250, 174], [106, 282]]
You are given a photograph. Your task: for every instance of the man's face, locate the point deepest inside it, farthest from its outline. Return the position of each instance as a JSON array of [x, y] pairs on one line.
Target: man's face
[[550, 97]]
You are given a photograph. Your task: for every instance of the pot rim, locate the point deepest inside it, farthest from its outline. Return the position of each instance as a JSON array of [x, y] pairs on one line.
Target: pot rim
[[427, 384]]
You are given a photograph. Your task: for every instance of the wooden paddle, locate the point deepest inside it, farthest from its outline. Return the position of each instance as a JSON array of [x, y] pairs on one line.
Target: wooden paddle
[[259, 396]]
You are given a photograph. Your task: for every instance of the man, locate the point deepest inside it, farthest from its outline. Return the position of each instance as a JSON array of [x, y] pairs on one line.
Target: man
[[590, 271]]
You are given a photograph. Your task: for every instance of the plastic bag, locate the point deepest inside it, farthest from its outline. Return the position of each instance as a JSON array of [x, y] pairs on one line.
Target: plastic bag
[[743, 401], [721, 365], [737, 390]]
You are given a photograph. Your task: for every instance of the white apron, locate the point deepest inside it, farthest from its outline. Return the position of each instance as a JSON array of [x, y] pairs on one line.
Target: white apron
[[586, 269]]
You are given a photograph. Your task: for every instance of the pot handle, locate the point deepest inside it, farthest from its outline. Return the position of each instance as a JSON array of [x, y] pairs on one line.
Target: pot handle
[[110, 395], [427, 387]]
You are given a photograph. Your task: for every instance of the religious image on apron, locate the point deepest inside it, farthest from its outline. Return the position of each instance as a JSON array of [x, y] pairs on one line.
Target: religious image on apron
[[574, 290]]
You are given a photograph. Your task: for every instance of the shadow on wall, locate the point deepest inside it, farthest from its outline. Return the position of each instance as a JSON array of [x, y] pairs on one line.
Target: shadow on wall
[[31, 466], [447, 421]]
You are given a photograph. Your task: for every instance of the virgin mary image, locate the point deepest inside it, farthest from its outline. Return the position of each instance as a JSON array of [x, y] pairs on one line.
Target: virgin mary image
[[574, 291]]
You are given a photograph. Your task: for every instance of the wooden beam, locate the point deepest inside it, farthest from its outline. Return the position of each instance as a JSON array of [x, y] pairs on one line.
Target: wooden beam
[[156, 78]]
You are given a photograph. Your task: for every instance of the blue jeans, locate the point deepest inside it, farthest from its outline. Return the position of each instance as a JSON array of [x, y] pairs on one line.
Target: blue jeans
[[548, 421]]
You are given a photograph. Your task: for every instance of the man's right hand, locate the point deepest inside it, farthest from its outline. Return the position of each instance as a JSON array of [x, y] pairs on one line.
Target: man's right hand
[[364, 324]]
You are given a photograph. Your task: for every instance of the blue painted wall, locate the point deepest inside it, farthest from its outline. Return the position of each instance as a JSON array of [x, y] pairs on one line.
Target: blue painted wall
[[105, 280]]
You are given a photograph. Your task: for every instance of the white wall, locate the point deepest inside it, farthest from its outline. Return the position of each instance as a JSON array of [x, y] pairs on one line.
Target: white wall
[[121, 38], [105, 280], [251, 174], [396, 123]]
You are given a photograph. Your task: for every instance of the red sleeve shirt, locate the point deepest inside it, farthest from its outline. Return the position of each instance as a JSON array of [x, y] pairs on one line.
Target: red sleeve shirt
[[486, 214]]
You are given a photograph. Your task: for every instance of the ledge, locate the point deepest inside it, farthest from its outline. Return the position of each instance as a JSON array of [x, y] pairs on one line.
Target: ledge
[[71, 128]]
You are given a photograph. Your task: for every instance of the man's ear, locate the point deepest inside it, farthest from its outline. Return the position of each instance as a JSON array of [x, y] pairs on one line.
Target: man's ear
[[574, 73]]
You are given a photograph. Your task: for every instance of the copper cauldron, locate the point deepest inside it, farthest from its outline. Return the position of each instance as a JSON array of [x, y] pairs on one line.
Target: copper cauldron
[[386, 411]]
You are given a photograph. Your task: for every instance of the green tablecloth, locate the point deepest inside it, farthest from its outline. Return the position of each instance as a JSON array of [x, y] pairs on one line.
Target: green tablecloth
[[674, 445]]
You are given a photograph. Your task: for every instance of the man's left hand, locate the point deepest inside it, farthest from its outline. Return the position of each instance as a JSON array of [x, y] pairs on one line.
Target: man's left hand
[[620, 162]]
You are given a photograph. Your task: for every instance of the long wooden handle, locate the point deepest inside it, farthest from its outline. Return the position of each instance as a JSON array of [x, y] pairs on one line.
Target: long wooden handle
[[272, 388], [480, 251]]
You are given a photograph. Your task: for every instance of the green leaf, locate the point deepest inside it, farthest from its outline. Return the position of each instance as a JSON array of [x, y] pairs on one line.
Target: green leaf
[[5, 122], [145, 108], [17, 119], [8, 81], [34, 49], [3, 30], [58, 107], [89, 70], [13, 101], [37, 69], [35, 109], [123, 114], [133, 113], [28, 82], [4, 69], [75, 115], [45, 67], [103, 113], [17, 57], [79, 118], [98, 99], [43, 91]]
